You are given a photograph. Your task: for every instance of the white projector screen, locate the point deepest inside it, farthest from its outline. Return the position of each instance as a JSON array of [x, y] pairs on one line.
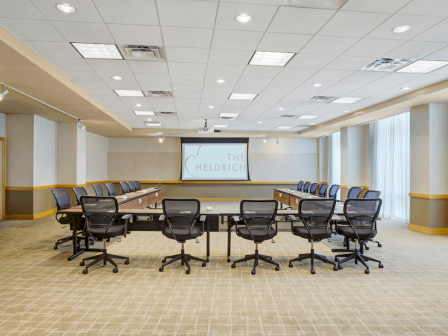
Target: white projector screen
[[214, 161]]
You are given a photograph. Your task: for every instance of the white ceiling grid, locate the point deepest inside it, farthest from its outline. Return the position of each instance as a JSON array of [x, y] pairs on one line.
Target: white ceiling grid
[[203, 42]]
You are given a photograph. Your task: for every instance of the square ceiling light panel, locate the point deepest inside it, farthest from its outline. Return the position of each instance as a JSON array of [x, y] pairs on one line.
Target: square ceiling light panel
[[129, 93], [308, 117], [92, 50], [346, 100], [153, 124], [144, 113], [423, 66], [243, 96], [271, 58], [284, 127]]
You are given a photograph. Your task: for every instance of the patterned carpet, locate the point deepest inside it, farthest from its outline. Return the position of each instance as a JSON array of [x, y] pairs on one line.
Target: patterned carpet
[[44, 294]]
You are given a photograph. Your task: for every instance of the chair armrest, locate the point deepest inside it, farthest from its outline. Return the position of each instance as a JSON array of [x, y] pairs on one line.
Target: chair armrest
[[162, 218], [126, 217], [293, 218], [277, 219], [203, 218], [236, 218]]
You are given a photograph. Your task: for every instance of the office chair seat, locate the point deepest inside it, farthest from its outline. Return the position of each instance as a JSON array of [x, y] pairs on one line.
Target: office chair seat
[[363, 234], [182, 234], [114, 231], [318, 234], [259, 236]]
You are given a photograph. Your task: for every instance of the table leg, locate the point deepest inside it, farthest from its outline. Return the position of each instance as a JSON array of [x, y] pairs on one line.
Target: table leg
[[208, 238], [229, 237], [76, 252]]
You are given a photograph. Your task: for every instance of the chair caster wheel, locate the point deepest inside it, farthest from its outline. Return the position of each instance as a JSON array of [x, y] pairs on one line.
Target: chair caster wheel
[[228, 260], [381, 266], [233, 265], [336, 259], [85, 271], [290, 264], [379, 245], [81, 263], [277, 268], [187, 272], [313, 272], [253, 272], [335, 268], [55, 247], [367, 271], [204, 264], [163, 261], [161, 269], [115, 270], [126, 262], [367, 248], [340, 267]]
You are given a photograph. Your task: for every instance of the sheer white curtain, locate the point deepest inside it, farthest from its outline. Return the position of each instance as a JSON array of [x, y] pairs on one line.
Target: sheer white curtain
[[334, 159], [390, 164]]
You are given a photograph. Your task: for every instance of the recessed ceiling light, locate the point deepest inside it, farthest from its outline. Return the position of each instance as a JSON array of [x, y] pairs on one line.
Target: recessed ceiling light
[[222, 126], [243, 18], [346, 100], [228, 116], [138, 105], [92, 50], [401, 29], [220, 81], [346, 111], [308, 117], [144, 113], [129, 93], [66, 8], [117, 78], [148, 119], [270, 58], [260, 122], [211, 107], [153, 124], [423, 66], [284, 127], [317, 84], [243, 96], [280, 108], [405, 88]]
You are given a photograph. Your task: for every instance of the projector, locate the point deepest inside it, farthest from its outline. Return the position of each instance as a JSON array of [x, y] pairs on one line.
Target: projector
[[205, 129]]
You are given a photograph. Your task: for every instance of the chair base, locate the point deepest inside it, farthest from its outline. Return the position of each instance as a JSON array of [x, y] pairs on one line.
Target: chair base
[[184, 258], [357, 256], [257, 257], [314, 256], [67, 239], [104, 257]]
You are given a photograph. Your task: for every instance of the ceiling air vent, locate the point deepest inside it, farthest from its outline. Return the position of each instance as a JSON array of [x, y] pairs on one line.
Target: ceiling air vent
[[328, 4], [158, 94], [142, 52], [166, 113], [288, 116], [226, 118], [322, 99], [387, 64]]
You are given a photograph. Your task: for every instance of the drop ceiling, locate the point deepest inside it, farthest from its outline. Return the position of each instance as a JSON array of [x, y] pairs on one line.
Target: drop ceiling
[[203, 43]]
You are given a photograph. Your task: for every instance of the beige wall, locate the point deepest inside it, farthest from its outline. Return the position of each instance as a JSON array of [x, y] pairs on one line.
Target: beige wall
[[44, 152], [96, 157]]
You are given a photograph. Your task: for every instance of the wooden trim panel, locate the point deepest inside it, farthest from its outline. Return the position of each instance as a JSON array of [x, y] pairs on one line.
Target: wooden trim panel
[[35, 216], [428, 196], [46, 187], [428, 231]]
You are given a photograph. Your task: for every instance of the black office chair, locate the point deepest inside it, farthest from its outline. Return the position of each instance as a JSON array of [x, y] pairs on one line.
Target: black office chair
[[131, 186], [354, 192], [361, 215], [372, 194], [323, 189], [111, 189], [306, 186], [333, 191], [137, 185], [299, 186], [79, 191], [125, 187], [315, 215], [98, 189], [258, 216], [313, 188], [180, 217], [100, 214]]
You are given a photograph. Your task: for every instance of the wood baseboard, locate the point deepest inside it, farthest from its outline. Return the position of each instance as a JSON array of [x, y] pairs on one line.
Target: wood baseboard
[[31, 217], [428, 231]]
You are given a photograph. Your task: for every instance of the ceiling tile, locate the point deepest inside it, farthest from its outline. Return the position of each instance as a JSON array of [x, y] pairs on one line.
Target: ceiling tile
[[187, 55], [83, 76], [261, 71], [261, 16], [84, 32], [300, 20], [329, 45], [331, 75], [350, 63], [366, 76], [187, 37], [36, 30], [19, 9], [53, 49], [136, 34], [77, 64], [187, 68], [152, 78], [251, 81], [232, 39], [441, 55], [100, 65], [372, 47], [155, 87], [426, 7], [117, 85], [186, 88], [415, 49], [353, 24], [342, 89], [186, 13], [377, 6], [85, 11], [297, 73], [418, 25], [187, 79], [179, 94], [290, 83], [230, 81], [310, 61], [96, 88], [224, 70], [436, 33], [235, 57], [128, 12], [309, 85], [283, 42], [148, 67]]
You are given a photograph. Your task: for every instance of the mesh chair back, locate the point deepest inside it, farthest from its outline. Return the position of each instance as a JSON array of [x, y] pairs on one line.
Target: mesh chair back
[[181, 216], [323, 189], [316, 213], [98, 189], [100, 212], [137, 185], [131, 186], [63, 199], [306, 186], [79, 191], [354, 192], [258, 215], [333, 191], [362, 213], [299, 186], [111, 189], [372, 194], [125, 187], [313, 188]]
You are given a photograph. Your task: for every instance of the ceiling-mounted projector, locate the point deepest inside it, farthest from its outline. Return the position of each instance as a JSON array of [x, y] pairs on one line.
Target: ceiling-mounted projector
[[207, 129]]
